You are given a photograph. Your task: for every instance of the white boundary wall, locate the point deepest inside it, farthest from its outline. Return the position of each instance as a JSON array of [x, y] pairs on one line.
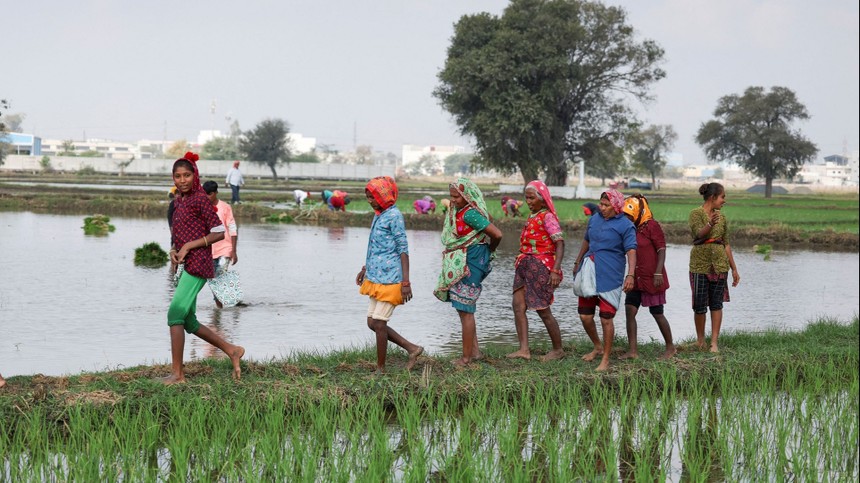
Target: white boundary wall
[[212, 169]]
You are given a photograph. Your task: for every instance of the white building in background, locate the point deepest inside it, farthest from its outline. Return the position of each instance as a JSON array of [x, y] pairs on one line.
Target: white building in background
[[104, 148], [207, 135], [21, 143], [854, 166], [412, 153], [301, 144], [836, 170], [152, 148]]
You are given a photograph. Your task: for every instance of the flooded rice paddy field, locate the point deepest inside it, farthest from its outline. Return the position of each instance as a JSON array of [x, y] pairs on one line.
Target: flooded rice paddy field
[[71, 303]]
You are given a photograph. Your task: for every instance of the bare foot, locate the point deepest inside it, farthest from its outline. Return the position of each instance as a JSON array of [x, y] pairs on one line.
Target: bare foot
[[460, 362], [413, 357], [171, 380], [603, 367], [478, 357], [629, 355], [520, 354], [552, 355], [670, 351], [591, 355], [235, 356], [380, 371], [700, 345], [714, 349]]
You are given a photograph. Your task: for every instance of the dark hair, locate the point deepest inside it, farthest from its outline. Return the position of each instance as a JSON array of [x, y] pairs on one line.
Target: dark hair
[[210, 187], [183, 162], [709, 190]]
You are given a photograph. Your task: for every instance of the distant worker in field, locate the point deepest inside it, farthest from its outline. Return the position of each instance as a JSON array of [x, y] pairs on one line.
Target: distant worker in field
[[511, 206], [385, 274], [234, 181], [425, 205], [590, 209], [225, 285], [300, 196], [338, 201]]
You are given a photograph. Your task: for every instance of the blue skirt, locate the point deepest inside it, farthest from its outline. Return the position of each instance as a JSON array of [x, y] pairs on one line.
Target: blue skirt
[[465, 293]]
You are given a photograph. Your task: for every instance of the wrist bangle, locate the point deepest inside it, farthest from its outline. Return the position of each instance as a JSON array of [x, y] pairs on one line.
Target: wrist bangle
[[660, 274], [405, 284], [630, 275], [555, 271]]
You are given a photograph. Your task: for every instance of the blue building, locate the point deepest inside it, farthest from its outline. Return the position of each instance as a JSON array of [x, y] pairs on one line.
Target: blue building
[[26, 144]]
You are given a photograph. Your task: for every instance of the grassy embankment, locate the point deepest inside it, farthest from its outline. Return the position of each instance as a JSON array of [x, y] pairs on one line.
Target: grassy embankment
[[816, 221], [771, 406]]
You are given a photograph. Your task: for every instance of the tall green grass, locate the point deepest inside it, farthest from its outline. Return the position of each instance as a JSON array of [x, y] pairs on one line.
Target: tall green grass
[[774, 406]]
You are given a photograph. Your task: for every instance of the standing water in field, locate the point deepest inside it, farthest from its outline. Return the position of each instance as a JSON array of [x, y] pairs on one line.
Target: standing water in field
[[71, 303]]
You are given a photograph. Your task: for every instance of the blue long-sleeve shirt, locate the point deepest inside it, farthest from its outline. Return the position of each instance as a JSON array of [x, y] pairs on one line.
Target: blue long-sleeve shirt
[[386, 243]]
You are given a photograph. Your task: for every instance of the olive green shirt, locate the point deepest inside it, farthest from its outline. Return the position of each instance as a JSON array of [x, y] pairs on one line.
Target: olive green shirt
[[708, 257]]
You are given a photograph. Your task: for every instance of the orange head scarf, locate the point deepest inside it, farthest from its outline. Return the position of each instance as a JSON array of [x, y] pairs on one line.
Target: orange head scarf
[[384, 191], [637, 207]]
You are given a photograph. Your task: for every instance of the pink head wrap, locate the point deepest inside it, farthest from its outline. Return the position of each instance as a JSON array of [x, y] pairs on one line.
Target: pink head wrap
[[543, 191], [616, 200]]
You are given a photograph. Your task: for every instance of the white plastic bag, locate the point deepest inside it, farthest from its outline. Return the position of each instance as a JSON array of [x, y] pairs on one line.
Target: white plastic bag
[[585, 280]]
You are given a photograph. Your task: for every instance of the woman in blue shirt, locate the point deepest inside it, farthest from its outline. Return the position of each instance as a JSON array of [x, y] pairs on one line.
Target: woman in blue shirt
[[609, 238], [385, 275]]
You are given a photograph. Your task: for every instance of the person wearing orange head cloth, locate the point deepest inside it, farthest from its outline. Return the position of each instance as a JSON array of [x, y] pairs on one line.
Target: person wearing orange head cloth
[[385, 274], [651, 281], [234, 181]]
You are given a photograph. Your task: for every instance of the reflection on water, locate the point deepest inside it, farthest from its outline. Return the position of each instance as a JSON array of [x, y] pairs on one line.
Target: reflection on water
[[70, 302]]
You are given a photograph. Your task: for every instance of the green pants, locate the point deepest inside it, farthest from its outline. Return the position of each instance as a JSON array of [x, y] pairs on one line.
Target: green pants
[[184, 304]]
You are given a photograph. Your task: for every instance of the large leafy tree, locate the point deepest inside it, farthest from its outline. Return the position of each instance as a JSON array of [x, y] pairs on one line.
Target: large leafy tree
[[540, 85], [267, 144], [649, 146], [755, 130]]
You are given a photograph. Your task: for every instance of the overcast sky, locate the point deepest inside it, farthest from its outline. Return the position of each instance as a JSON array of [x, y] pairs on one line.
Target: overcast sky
[[363, 71]]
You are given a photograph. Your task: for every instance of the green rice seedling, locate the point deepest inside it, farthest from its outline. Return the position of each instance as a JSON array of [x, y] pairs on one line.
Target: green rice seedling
[[98, 225], [150, 255]]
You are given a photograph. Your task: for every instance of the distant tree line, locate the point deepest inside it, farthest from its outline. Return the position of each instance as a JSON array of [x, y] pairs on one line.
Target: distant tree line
[[548, 83]]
